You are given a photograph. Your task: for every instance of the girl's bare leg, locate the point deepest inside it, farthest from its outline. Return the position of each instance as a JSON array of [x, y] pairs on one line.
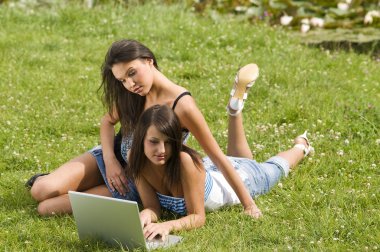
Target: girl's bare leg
[[237, 142], [294, 155], [79, 174], [61, 204]]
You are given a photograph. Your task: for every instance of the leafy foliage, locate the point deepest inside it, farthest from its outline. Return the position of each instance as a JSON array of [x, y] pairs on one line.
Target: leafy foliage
[[338, 24], [344, 14]]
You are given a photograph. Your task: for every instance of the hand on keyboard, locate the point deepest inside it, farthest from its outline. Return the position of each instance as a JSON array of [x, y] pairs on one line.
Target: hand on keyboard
[[153, 230]]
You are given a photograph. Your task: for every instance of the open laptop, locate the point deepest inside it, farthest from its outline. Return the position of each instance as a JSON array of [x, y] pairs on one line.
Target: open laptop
[[114, 221]]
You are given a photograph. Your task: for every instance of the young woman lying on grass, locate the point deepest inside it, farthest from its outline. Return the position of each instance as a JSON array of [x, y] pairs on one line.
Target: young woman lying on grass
[[170, 175], [132, 83]]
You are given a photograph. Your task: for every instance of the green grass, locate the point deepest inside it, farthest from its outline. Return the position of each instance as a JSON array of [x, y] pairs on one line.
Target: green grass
[[49, 109]]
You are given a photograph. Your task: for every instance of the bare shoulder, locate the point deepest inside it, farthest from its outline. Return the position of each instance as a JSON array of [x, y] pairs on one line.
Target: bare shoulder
[[112, 118], [185, 158], [189, 170], [186, 105], [187, 163]]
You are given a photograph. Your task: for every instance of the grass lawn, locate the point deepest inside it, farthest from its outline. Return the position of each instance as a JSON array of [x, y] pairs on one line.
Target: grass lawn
[[50, 110]]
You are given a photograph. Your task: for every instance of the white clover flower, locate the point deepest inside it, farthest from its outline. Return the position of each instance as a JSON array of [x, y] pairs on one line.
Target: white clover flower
[[260, 146], [240, 8], [368, 18], [317, 22], [286, 20], [251, 11], [343, 6], [90, 3], [340, 152], [346, 142], [305, 25]]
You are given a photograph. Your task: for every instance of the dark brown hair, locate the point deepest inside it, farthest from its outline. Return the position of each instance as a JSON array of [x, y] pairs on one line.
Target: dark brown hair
[[167, 122], [128, 105]]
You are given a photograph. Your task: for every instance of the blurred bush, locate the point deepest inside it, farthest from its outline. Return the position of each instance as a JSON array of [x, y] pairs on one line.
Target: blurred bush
[[341, 22], [332, 24], [303, 15]]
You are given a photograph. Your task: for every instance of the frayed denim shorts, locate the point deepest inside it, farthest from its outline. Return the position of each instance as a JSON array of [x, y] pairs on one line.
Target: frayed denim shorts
[[132, 194]]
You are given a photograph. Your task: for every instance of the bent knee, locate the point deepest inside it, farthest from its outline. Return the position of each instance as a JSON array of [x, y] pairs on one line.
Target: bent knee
[[43, 209], [42, 190]]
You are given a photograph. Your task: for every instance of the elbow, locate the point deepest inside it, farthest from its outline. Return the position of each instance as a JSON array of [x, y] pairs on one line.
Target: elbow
[[201, 221], [105, 118], [155, 213], [108, 119]]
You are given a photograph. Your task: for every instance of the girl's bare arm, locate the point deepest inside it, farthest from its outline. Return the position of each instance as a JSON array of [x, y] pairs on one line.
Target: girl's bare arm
[[191, 118], [149, 199], [115, 173], [193, 186]]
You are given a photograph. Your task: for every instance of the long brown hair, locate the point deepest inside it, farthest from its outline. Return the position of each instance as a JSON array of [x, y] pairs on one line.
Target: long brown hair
[[128, 105], [167, 122]]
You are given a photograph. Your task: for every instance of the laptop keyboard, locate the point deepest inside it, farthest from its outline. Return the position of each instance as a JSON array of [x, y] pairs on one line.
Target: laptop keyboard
[[155, 243]]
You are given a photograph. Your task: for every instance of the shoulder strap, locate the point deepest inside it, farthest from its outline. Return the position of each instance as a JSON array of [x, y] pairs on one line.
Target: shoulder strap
[[179, 97]]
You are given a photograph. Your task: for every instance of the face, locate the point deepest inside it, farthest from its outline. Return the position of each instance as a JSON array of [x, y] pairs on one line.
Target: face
[[136, 75], [157, 147]]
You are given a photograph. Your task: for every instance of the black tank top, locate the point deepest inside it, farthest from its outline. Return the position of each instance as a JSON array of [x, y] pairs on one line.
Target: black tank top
[[179, 97], [185, 132]]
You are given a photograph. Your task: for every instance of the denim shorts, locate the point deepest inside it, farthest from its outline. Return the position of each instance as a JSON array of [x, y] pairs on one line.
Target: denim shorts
[[132, 194], [258, 178]]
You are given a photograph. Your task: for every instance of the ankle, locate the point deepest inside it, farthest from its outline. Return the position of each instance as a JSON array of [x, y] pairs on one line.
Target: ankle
[[302, 141], [232, 112]]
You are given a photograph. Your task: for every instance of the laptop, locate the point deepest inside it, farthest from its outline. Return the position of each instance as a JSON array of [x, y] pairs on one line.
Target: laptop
[[114, 221]]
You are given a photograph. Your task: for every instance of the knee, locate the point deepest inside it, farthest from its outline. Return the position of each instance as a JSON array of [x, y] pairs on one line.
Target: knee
[[43, 209], [41, 190]]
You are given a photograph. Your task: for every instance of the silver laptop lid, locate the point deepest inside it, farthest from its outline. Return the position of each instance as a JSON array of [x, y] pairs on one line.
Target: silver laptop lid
[[113, 220]]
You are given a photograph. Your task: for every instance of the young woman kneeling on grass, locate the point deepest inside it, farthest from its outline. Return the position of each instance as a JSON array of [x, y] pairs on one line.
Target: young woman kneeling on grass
[[171, 175]]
